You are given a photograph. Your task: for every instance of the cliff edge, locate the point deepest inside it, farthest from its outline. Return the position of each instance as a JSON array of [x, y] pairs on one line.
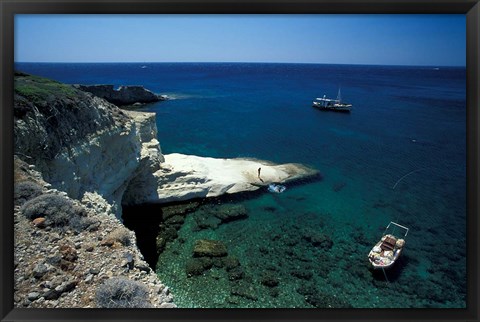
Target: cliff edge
[[79, 158], [124, 95]]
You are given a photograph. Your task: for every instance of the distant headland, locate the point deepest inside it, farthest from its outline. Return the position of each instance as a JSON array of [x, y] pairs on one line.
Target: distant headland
[[124, 95]]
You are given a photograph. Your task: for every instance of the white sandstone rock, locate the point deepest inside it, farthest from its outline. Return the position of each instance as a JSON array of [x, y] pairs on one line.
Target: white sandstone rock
[[184, 177]]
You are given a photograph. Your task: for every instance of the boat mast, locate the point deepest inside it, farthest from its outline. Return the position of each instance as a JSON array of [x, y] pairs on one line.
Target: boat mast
[[339, 96]]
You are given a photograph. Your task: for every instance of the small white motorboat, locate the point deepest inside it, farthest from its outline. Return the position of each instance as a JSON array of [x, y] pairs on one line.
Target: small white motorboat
[[276, 188], [385, 253]]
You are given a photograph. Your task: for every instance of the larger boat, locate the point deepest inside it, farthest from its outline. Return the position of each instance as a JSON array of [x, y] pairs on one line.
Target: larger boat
[[386, 252], [330, 104]]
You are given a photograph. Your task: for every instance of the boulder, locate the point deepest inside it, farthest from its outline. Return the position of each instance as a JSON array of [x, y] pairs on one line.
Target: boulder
[[209, 248], [33, 296], [196, 266], [39, 222], [40, 270]]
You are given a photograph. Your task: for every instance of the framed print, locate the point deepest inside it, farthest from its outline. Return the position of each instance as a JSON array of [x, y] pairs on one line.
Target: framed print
[[240, 161]]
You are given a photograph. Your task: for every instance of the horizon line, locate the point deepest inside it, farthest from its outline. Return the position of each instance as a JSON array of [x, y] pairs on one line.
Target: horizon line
[[227, 62]]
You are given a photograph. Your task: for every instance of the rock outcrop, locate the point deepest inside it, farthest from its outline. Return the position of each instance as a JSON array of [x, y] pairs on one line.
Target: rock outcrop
[[124, 95], [183, 177], [65, 267], [81, 143], [91, 154]]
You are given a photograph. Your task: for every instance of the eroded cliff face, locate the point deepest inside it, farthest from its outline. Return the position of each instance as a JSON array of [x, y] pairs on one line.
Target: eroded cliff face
[[143, 185], [82, 143]]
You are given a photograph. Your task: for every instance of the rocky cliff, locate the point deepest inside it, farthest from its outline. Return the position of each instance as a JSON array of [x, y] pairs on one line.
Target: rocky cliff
[[84, 262], [80, 142], [75, 155], [90, 157], [124, 95]]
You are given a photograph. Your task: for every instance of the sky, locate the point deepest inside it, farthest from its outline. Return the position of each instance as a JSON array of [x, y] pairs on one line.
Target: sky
[[433, 40]]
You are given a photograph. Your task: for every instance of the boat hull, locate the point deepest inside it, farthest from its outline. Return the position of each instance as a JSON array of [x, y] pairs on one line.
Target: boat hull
[[334, 109], [383, 262], [387, 251]]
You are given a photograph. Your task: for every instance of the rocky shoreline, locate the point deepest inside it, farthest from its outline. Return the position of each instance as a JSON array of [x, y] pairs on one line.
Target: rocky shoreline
[[78, 160], [64, 268], [124, 95]]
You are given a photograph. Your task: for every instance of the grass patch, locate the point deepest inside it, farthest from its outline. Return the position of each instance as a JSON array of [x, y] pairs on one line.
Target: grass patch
[[39, 89]]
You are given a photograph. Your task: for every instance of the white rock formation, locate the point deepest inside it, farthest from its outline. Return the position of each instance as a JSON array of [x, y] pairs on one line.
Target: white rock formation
[[126, 166], [109, 161], [184, 177], [91, 149]]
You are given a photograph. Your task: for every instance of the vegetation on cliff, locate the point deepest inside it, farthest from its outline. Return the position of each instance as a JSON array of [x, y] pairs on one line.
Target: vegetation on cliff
[[49, 116], [40, 90], [70, 249], [75, 254]]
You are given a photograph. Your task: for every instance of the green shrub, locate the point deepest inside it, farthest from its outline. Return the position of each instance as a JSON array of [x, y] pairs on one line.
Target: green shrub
[[39, 89], [57, 210], [119, 292], [26, 190]]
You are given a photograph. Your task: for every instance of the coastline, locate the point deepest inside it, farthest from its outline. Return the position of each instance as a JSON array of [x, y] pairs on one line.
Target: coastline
[[115, 161], [362, 156]]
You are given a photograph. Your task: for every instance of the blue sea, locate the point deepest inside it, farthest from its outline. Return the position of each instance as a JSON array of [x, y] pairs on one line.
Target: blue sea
[[400, 156]]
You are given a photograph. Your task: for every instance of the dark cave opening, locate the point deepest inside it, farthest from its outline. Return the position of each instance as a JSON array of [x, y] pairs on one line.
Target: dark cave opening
[[145, 221]]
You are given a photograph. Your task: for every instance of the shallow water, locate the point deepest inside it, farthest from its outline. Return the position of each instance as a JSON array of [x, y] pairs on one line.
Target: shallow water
[[404, 119]]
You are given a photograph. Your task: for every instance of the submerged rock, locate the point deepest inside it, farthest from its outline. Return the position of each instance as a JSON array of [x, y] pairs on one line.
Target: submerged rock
[[209, 248], [318, 239], [228, 213], [212, 216], [230, 262], [166, 234], [178, 210], [196, 266], [270, 280], [235, 273], [206, 221], [244, 291]]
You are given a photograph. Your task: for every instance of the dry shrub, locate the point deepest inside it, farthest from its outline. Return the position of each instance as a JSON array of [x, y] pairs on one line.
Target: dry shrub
[[57, 210], [119, 292], [121, 235], [26, 190]]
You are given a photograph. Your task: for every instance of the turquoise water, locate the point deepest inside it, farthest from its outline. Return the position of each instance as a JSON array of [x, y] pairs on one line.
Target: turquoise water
[[404, 119]]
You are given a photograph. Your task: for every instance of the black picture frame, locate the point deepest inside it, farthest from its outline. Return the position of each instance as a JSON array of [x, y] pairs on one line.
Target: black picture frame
[[471, 8]]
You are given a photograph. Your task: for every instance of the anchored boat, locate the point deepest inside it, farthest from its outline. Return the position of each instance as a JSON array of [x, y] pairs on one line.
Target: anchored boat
[[277, 188], [385, 253], [330, 104]]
